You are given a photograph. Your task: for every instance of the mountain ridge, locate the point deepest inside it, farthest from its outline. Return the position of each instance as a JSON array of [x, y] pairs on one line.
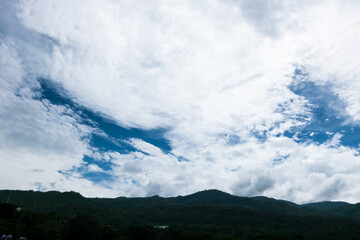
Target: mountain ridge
[[204, 196], [52, 200], [208, 210]]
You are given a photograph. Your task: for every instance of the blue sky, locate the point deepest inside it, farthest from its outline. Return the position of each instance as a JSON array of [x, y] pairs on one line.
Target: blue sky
[[327, 114], [115, 99], [108, 136]]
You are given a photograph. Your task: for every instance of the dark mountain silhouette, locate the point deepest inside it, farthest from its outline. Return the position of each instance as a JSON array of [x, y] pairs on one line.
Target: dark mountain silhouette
[[328, 206], [211, 211]]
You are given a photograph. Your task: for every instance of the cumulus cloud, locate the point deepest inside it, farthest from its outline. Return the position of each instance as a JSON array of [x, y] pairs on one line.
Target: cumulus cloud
[[331, 57], [165, 76], [216, 74], [37, 139]]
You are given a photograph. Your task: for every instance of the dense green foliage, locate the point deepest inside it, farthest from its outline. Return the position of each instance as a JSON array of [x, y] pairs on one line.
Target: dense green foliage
[[205, 215]]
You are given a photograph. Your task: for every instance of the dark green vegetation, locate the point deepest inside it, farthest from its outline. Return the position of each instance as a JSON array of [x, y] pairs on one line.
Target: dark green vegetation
[[204, 215]]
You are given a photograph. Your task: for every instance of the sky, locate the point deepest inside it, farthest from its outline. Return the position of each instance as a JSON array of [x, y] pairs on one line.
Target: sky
[[138, 98]]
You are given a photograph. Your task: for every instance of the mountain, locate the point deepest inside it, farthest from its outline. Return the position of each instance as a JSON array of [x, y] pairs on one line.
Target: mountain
[[211, 211], [342, 209], [328, 206], [73, 202]]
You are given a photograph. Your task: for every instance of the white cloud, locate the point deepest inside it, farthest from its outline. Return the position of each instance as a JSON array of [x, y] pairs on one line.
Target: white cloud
[[205, 70], [330, 50], [303, 172], [146, 147], [37, 139], [217, 67], [94, 168]]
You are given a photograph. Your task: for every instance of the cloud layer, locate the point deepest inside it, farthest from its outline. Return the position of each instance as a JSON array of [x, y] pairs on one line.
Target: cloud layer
[[218, 76]]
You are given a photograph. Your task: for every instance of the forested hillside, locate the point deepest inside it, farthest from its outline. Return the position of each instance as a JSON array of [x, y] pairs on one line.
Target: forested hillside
[[208, 214]]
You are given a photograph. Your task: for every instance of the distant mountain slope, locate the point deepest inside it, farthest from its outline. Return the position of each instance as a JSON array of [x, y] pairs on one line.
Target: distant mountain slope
[[342, 209], [328, 206]]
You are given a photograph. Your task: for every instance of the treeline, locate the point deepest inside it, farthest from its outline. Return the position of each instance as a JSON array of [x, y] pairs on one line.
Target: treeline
[[54, 226], [204, 215]]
